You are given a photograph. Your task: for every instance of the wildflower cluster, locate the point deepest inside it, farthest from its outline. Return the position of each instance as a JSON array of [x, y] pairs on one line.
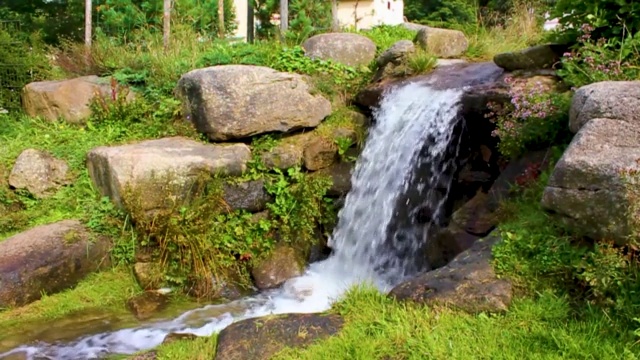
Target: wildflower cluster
[[600, 59], [522, 119]]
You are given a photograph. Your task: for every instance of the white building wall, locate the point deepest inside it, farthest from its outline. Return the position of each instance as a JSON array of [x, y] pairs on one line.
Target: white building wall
[[365, 14], [241, 8]]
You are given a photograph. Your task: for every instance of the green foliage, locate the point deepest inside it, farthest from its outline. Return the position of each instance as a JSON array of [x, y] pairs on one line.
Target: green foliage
[[533, 118], [386, 35], [331, 78], [122, 18], [305, 18], [22, 60], [602, 60], [610, 18], [456, 11], [54, 20], [300, 207], [344, 143]]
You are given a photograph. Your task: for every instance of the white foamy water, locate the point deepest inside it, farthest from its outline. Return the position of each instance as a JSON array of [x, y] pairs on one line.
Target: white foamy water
[[406, 118]]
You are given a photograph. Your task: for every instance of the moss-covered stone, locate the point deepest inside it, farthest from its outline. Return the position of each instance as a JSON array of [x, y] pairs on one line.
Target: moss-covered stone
[[262, 338]]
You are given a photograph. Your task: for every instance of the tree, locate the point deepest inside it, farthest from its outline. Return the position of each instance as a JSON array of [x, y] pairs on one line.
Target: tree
[[221, 18]]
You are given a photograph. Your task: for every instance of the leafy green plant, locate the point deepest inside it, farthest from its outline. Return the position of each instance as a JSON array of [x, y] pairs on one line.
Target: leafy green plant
[[421, 62], [299, 208], [386, 35], [344, 144]]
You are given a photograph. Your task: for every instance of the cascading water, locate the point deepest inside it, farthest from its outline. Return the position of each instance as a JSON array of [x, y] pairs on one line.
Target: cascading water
[[365, 247]]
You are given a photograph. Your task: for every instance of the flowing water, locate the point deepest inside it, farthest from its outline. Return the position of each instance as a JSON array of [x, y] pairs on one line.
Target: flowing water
[[408, 116]]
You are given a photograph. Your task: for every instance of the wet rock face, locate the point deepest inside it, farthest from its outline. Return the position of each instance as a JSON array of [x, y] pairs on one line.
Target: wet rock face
[[262, 338], [448, 76], [48, 258], [147, 304], [467, 283]]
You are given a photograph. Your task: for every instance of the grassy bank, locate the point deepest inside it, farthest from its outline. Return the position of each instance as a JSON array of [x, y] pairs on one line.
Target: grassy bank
[[106, 291]]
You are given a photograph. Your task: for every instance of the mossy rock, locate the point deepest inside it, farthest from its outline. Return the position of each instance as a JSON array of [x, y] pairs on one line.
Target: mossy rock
[[262, 338]]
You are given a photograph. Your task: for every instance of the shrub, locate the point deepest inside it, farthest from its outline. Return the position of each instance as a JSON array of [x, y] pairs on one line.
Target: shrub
[[539, 254], [386, 35], [421, 62], [601, 60], [532, 118], [609, 18]]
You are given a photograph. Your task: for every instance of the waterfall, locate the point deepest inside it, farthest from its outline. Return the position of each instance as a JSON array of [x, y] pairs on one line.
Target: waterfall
[[370, 244]]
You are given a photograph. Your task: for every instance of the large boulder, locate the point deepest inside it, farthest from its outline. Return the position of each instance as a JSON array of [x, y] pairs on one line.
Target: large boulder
[[281, 265], [66, 99], [346, 48], [468, 283], [533, 58], [442, 43], [39, 173], [618, 100], [263, 338], [586, 189], [48, 259], [150, 165], [238, 101], [589, 189]]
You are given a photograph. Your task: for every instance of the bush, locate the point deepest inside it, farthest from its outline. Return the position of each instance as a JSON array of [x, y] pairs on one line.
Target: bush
[[533, 118], [609, 18], [539, 254], [601, 60]]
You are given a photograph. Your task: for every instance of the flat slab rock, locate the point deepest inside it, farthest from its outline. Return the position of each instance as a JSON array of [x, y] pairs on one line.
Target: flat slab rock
[[467, 283], [48, 259], [113, 168], [261, 338]]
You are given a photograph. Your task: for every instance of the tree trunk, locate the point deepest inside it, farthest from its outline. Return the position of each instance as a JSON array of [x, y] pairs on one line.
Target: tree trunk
[[284, 16], [335, 24], [221, 19], [87, 23], [166, 24], [250, 22]]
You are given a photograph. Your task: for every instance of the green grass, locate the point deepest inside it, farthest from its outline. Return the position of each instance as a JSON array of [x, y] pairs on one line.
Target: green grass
[[106, 291], [541, 328]]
